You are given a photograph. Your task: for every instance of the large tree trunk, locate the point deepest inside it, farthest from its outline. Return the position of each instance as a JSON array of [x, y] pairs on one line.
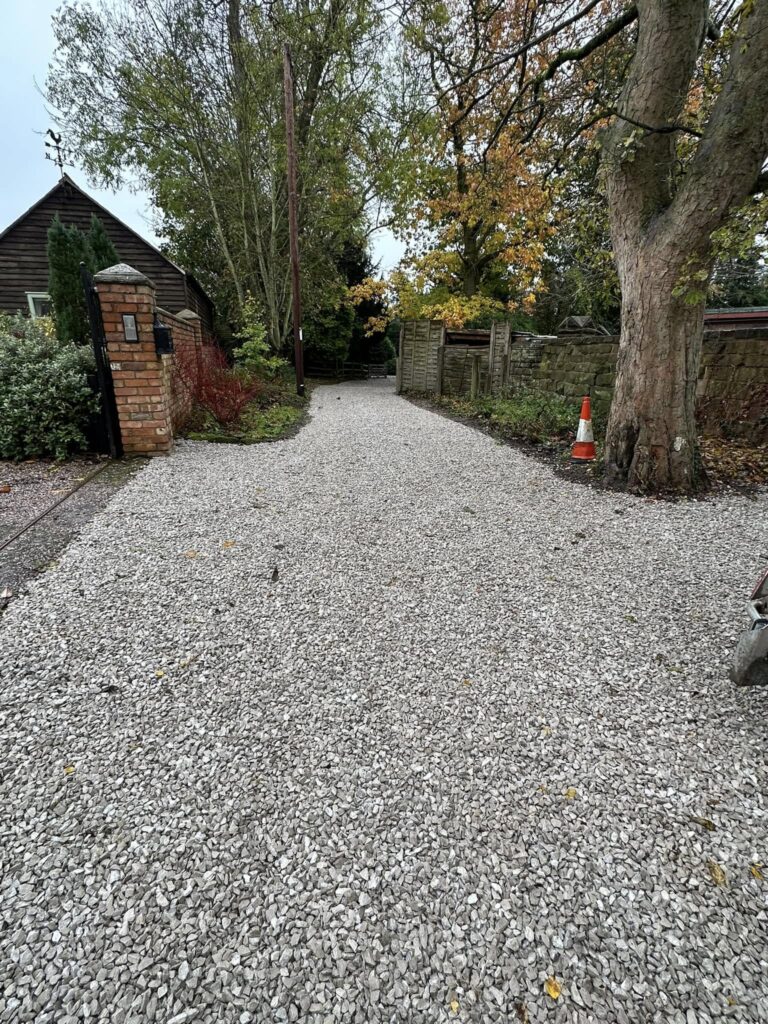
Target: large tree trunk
[[651, 441], [661, 229]]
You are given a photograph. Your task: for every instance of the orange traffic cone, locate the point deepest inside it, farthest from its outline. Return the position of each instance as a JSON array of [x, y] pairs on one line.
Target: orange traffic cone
[[584, 446]]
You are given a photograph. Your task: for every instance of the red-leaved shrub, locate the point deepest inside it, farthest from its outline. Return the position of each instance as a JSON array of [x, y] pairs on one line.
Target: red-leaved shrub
[[213, 384]]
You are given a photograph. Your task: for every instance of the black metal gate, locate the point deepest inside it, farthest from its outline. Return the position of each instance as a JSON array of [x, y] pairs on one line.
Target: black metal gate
[[109, 434]]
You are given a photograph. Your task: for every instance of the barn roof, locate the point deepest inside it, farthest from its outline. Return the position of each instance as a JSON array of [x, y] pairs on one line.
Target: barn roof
[[65, 179]]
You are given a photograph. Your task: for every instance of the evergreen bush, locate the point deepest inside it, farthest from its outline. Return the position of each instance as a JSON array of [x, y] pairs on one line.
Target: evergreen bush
[[68, 247], [45, 398]]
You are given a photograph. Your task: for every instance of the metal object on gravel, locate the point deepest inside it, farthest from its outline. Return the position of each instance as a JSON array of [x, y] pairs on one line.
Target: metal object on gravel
[[750, 660], [384, 788]]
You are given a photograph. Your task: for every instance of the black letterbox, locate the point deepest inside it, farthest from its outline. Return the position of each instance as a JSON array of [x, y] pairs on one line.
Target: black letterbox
[[163, 338]]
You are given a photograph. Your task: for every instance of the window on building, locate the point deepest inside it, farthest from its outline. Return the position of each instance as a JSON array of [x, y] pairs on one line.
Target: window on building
[[39, 304]]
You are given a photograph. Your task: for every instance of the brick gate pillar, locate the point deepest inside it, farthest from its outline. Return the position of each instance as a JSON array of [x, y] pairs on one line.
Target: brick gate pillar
[[143, 403]]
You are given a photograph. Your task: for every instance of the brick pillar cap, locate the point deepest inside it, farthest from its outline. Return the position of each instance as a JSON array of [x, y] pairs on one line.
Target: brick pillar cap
[[121, 273], [187, 314]]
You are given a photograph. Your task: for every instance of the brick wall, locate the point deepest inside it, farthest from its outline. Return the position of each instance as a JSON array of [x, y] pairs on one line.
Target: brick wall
[[187, 339], [151, 399], [137, 373]]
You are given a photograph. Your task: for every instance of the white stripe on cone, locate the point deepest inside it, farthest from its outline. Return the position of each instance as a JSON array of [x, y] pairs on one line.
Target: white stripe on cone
[[585, 431]]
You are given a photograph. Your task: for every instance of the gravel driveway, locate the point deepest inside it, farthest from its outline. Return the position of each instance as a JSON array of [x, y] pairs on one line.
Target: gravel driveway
[[475, 736]]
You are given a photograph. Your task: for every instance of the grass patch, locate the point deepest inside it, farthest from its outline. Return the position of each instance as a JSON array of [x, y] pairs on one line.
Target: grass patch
[[537, 417], [275, 413]]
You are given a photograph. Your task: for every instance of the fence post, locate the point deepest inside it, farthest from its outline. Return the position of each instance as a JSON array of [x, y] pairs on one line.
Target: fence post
[[140, 378], [399, 363], [439, 371], [504, 372], [474, 386]]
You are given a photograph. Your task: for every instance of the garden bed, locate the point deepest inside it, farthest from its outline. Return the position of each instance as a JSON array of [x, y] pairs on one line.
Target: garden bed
[[274, 414]]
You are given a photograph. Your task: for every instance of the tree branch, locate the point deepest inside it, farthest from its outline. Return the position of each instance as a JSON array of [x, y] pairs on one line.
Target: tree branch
[[613, 28]]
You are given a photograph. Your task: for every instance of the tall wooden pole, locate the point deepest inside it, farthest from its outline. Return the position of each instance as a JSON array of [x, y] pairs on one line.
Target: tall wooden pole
[[293, 220]]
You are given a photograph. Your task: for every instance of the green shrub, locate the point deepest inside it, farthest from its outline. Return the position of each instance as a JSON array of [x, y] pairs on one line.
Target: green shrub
[[254, 354], [45, 398], [531, 415], [536, 415]]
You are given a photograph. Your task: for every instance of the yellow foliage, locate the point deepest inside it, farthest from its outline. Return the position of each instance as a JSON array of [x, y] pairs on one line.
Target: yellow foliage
[[553, 988]]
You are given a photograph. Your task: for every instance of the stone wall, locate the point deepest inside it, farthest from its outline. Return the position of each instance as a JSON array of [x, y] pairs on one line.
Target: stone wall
[[732, 392]]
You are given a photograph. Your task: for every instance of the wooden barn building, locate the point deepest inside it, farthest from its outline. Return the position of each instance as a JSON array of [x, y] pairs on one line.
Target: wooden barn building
[[24, 258]]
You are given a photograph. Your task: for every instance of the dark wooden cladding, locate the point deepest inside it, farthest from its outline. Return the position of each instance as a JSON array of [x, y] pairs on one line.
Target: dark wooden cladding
[[468, 337], [24, 259]]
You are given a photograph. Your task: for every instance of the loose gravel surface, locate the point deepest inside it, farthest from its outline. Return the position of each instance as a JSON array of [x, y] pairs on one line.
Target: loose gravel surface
[[28, 488], [472, 735], [35, 487]]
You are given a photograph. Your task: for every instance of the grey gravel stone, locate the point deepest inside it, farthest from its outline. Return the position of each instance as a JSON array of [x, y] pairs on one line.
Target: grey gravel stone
[[345, 795]]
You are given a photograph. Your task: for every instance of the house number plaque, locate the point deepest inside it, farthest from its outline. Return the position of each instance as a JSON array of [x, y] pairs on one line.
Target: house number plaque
[[130, 330]]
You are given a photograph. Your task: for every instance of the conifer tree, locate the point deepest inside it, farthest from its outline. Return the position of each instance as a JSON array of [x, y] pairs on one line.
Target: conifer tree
[[68, 247], [103, 252]]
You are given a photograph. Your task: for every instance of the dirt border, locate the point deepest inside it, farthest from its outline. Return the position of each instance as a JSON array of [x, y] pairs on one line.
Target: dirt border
[[585, 474], [549, 455]]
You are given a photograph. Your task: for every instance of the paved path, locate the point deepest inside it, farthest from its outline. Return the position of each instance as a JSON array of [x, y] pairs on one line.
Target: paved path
[[459, 746]]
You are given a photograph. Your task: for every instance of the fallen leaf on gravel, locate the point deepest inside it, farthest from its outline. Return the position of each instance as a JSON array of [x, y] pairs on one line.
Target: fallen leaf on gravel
[[228, 544], [522, 1013], [717, 873], [552, 988], [191, 554], [454, 1004], [704, 822], [69, 769], [755, 871], [467, 682], [159, 673], [546, 730], [570, 793], [5, 488]]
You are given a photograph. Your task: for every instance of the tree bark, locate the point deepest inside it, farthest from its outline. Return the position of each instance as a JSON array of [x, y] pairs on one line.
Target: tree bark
[[652, 443], [661, 233]]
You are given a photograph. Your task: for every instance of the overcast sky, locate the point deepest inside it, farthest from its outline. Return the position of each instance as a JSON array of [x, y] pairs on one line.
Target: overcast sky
[[26, 44]]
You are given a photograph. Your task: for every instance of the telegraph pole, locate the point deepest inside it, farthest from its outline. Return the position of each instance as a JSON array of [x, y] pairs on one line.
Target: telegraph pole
[[293, 220]]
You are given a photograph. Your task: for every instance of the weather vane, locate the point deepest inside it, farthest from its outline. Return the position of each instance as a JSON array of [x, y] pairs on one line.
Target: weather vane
[[57, 148]]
